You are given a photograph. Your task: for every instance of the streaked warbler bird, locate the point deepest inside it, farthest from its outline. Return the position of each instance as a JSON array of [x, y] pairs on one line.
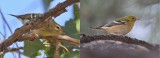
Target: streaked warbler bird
[[51, 29], [120, 26], [27, 17]]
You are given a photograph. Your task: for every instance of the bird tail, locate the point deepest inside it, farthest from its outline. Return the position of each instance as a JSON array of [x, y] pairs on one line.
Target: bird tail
[[12, 15], [19, 18], [15, 16]]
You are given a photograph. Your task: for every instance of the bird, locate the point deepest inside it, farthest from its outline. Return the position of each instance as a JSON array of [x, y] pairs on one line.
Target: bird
[[121, 26], [52, 29], [27, 17]]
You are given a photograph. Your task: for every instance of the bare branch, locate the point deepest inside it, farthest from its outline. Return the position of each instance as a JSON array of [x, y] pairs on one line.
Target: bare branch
[[10, 50], [4, 19], [59, 37], [69, 39], [56, 54]]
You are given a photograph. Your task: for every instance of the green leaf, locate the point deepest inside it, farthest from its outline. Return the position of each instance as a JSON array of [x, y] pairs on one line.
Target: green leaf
[[76, 11], [77, 17], [78, 25], [46, 4], [31, 48], [73, 54], [2, 55], [70, 28], [36, 54], [50, 50]]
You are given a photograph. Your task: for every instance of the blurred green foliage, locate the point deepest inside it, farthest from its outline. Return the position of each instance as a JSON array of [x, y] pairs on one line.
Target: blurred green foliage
[[31, 48]]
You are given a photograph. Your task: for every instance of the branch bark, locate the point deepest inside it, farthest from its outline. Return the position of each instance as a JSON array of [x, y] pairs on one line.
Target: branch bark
[[59, 37], [10, 50], [58, 43], [59, 9]]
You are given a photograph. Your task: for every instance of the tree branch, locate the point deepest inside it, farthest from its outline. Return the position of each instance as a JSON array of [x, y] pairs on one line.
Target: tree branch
[[59, 37], [10, 50], [59, 9], [56, 54]]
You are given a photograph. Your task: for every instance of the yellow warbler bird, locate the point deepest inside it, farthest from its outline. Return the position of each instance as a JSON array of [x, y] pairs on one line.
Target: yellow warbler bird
[[120, 26], [51, 29]]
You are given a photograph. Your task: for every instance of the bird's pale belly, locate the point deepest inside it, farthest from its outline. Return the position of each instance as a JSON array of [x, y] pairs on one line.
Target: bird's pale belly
[[119, 30]]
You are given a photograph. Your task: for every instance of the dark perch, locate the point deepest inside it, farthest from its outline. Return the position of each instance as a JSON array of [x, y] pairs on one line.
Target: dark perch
[[114, 46]]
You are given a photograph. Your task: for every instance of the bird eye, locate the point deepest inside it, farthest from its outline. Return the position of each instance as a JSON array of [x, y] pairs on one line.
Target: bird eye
[[57, 27], [132, 17]]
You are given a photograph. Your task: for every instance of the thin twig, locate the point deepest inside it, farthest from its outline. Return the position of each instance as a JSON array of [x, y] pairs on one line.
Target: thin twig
[[4, 19], [56, 54], [69, 39], [2, 36]]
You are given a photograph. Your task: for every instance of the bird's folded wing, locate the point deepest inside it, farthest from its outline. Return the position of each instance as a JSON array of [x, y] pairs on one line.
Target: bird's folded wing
[[116, 23]]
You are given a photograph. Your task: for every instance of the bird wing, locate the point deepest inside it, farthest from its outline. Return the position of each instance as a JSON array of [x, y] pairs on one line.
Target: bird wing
[[27, 16], [108, 25], [119, 21]]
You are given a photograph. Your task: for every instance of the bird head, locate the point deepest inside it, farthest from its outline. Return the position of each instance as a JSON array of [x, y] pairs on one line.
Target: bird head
[[131, 18]]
